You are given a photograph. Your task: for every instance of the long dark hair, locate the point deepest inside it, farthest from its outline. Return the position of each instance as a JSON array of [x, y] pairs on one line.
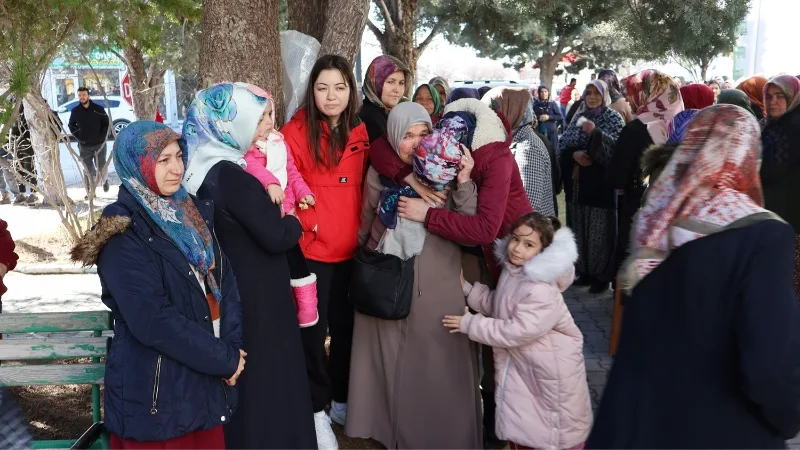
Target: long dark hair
[[341, 133]]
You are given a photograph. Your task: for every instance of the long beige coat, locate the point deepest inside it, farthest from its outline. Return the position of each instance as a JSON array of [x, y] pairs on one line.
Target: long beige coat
[[413, 384]]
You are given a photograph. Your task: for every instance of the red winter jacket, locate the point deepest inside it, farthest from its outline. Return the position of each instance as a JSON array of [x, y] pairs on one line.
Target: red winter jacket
[[330, 227], [501, 195], [566, 95], [7, 255]]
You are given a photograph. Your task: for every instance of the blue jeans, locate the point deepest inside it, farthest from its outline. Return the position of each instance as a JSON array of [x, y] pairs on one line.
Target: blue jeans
[[564, 115]]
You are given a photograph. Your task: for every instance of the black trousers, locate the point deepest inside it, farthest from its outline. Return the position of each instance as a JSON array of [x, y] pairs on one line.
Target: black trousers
[[26, 170], [329, 377], [94, 158], [298, 265]]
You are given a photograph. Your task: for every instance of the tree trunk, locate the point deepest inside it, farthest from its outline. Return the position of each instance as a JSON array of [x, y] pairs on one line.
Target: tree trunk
[[344, 29], [241, 42], [309, 16], [45, 132], [399, 38], [45, 148], [144, 87], [547, 65], [704, 63]]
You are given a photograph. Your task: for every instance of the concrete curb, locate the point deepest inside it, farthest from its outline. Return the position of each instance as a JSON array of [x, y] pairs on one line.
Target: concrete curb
[[55, 270]]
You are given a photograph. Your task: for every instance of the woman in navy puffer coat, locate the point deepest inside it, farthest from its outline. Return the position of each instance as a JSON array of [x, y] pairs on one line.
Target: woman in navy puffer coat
[[177, 330]]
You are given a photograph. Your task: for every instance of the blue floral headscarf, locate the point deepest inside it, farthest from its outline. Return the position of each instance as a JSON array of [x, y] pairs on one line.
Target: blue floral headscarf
[[678, 125], [136, 152], [220, 125]]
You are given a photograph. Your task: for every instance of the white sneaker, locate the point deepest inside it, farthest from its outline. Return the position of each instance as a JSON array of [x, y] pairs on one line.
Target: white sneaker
[[326, 440], [339, 412]]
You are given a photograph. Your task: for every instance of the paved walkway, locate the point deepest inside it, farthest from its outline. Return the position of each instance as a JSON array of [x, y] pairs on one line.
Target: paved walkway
[[68, 293]]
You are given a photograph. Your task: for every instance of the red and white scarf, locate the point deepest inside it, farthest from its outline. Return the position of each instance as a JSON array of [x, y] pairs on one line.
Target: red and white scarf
[[710, 182]]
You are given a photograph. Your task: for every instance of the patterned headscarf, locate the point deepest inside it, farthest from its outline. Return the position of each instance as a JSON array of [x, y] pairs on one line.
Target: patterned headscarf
[[439, 154], [220, 125], [437, 103], [679, 124], [697, 96], [655, 99], [709, 182], [378, 71], [511, 102], [136, 152], [612, 81], [790, 86], [754, 88]]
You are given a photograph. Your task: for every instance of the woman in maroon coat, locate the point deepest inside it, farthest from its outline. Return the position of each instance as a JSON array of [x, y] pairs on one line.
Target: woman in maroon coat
[[501, 201]]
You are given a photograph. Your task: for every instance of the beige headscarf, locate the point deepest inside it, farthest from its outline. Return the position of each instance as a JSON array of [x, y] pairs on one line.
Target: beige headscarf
[[510, 101]]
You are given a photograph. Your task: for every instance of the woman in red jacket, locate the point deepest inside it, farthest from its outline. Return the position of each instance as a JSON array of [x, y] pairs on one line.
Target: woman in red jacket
[[329, 144]]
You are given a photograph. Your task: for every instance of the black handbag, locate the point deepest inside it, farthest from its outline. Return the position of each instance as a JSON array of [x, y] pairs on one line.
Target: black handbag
[[381, 285]]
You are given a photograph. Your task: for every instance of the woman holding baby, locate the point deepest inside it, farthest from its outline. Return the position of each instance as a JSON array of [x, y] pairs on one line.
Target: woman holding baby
[[417, 387]]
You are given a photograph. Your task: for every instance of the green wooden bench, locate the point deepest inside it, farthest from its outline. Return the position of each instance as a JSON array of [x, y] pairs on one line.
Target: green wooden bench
[[94, 347]]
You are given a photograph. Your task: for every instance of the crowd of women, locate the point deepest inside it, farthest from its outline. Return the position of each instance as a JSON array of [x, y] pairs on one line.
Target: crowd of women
[[236, 249]]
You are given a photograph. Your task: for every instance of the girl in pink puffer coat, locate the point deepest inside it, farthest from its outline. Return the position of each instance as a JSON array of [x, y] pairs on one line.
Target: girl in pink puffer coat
[[542, 395]]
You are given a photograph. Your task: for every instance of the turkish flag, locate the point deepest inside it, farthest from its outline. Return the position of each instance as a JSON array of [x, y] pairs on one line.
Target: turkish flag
[[159, 119]]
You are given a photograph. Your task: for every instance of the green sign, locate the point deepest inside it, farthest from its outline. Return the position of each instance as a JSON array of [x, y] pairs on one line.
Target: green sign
[[97, 60]]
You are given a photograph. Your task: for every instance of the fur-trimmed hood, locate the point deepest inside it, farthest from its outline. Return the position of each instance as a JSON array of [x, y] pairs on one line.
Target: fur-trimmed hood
[[655, 158], [489, 127], [87, 250], [551, 265]]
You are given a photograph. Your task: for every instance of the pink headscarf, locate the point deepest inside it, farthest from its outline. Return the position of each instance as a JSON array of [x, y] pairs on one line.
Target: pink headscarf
[[709, 182], [655, 99]]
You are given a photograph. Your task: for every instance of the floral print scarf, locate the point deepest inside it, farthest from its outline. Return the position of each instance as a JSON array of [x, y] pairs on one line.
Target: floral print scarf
[[220, 125], [136, 152], [709, 182], [378, 71], [655, 99]]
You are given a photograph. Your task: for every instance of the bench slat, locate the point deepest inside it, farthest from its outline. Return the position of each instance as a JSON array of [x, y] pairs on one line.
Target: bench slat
[[51, 374], [43, 445], [50, 348], [55, 322]]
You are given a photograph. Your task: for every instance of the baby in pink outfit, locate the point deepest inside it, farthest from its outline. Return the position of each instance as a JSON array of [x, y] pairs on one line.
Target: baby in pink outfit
[[271, 162]]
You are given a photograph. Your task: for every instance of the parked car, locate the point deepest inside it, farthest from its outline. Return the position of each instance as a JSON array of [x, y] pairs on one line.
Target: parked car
[[477, 84], [119, 110]]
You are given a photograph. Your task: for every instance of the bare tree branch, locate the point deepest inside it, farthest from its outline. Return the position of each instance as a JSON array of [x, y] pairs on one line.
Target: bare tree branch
[[387, 16], [121, 57], [376, 31], [427, 41]]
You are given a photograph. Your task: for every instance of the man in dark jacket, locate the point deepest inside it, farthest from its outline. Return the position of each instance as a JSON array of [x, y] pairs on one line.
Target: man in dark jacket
[[89, 123]]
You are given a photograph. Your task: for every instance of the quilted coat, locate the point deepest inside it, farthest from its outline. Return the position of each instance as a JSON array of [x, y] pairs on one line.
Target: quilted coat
[[542, 395]]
